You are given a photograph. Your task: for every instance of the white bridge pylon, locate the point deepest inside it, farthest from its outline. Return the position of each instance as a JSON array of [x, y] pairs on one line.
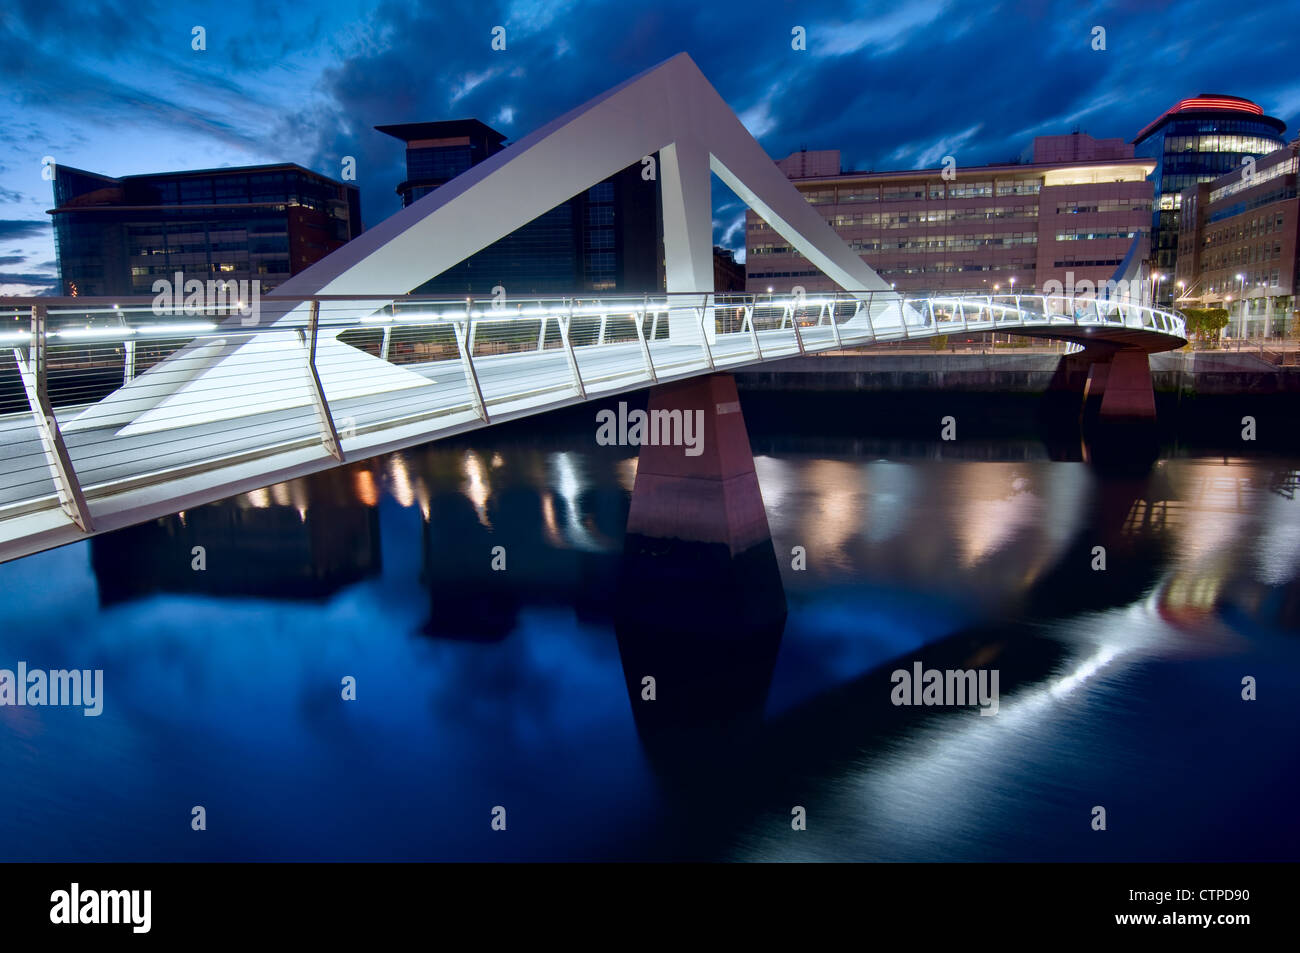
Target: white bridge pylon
[[671, 109]]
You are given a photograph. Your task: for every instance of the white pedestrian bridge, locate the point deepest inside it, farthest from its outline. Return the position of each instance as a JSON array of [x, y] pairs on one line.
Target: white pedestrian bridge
[[112, 414]]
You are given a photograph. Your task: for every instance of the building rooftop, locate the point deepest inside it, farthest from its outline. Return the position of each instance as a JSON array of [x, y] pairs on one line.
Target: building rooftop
[[964, 173], [1210, 104], [445, 129]]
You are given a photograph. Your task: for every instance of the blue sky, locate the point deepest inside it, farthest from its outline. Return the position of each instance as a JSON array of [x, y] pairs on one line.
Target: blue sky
[[116, 88]]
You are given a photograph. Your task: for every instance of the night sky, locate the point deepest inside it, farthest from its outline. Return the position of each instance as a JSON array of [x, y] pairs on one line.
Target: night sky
[[116, 87]]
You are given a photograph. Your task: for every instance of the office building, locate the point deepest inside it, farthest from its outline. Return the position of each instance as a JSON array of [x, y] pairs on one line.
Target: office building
[[1237, 245], [1194, 141], [728, 274], [603, 240], [116, 236], [1071, 213]]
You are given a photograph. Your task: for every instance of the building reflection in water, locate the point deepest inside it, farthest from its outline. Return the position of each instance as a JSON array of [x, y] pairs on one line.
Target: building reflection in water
[[305, 539], [532, 528]]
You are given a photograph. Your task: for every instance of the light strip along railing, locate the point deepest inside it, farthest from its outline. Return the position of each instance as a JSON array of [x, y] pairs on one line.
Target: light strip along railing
[[102, 398]]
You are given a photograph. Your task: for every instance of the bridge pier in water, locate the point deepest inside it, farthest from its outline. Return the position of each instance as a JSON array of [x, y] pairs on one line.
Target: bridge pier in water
[[1121, 388], [1117, 409], [701, 605]]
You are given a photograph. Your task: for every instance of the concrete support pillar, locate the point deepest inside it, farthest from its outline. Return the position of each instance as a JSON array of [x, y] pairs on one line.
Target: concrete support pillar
[[707, 493], [1094, 388], [1128, 394]]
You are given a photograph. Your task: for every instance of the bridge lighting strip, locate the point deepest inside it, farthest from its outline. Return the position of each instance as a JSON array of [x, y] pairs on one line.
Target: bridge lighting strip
[[631, 308]]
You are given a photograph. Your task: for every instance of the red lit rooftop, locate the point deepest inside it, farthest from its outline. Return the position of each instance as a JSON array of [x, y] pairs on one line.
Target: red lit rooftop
[[1212, 104]]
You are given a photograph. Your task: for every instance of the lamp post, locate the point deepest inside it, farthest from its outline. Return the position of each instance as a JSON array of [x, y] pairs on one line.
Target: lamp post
[[1241, 325], [994, 336]]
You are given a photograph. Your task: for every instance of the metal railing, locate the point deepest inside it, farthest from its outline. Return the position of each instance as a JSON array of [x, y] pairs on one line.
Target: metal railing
[[104, 404]]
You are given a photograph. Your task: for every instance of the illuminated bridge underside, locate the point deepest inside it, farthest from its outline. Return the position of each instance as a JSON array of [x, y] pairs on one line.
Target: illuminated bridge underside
[[484, 367]]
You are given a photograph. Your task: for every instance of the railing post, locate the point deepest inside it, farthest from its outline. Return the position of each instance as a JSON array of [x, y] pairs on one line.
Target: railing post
[[541, 335], [753, 332], [464, 342], [871, 327], [798, 337], [835, 324], [33, 374], [568, 350], [704, 337], [128, 352], [639, 320], [600, 337], [388, 333], [329, 436]]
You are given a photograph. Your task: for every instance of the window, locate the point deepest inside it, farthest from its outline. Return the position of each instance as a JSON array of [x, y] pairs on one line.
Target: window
[[1019, 187], [966, 190], [859, 193]]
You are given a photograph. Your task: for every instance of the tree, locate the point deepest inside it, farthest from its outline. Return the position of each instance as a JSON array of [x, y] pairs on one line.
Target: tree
[[1206, 323]]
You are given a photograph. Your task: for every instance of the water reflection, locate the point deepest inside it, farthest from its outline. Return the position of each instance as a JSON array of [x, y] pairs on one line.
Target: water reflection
[[523, 686], [289, 541], [698, 633]]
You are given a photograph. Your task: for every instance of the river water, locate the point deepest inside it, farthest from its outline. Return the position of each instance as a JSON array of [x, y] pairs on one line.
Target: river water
[[516, 693]]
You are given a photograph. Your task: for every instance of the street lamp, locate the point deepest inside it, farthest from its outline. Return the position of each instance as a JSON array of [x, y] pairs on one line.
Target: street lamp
[[1241, 328]]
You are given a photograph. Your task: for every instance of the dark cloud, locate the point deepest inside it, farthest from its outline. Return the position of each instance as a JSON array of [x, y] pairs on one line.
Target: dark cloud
[[11, 228], [890, 85], [48, 283], [887, 85]]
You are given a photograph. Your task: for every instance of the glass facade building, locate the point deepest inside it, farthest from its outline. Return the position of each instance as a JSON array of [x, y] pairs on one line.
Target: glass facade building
[[116, 236], [607, 238], [1198, 140], [1238, 246]]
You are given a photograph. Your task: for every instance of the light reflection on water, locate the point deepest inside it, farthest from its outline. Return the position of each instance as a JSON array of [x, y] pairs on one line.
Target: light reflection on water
[[1119, 688]]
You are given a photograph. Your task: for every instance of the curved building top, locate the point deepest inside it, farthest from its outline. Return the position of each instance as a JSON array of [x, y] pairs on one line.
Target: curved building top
[[1211, 105]]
